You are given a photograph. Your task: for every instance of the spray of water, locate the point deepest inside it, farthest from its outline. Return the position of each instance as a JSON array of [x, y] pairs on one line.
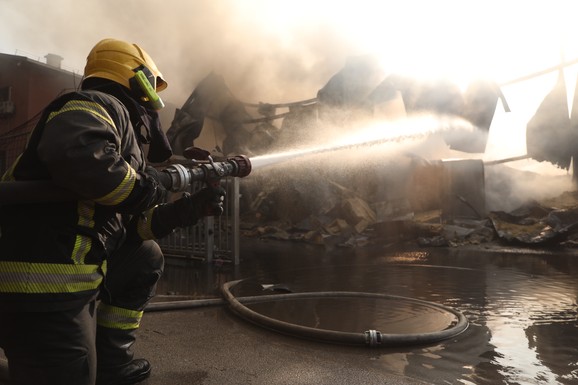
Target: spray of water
[[399, 131]]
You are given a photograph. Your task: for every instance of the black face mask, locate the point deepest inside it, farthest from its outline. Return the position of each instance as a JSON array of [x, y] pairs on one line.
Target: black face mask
[[145, 121]]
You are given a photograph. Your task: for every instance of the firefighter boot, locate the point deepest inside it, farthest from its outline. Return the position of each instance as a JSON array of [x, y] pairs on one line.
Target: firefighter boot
[[115, 363]]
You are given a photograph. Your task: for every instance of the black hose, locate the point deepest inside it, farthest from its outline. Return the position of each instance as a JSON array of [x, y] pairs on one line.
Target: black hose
[[372, 338], [195, 303], [183, 304]]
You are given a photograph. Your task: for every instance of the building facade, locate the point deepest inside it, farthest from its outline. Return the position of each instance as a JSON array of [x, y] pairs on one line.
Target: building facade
[[26, 88]]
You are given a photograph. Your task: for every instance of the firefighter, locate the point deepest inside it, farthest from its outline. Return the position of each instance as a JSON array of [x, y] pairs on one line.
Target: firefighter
[[76, 275]]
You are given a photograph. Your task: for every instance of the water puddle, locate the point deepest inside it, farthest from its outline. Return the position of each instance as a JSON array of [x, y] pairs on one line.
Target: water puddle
[[522, 308], [392, 316]]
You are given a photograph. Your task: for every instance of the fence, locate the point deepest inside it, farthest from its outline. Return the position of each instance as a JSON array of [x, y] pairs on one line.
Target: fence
[[214, 238]]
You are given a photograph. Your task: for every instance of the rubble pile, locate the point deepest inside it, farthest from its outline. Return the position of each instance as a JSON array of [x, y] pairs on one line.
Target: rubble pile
[[403, 198], [352, 222]]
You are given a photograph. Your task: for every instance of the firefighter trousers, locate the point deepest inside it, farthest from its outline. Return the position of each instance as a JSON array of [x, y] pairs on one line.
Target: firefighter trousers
[[130, 283], [45, 348], [61, 347]]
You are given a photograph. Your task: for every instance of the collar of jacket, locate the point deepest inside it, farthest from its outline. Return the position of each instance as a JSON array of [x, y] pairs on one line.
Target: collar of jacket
[[145, 121]]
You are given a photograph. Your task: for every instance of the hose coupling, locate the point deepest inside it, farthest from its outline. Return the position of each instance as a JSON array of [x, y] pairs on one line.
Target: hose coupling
[[180, 177], [373, 338]]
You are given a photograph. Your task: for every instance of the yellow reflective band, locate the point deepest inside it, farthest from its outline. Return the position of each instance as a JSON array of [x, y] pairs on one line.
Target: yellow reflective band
[[39, 278], [83, 105], [9, 174], [83, 243], [144, 225], [117, 317], [122, 191]]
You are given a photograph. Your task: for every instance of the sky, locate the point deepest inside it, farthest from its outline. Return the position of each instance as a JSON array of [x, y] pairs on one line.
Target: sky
[[281, 51]]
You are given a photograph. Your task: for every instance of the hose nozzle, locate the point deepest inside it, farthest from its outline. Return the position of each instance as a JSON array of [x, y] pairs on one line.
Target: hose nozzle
[[207, 171]]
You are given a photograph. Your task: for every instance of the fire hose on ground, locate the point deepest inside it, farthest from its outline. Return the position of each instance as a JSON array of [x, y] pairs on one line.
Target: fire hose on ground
[[371, 338]]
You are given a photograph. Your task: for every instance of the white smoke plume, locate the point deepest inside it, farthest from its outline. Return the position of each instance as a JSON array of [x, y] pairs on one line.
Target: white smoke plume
[[280, 51]]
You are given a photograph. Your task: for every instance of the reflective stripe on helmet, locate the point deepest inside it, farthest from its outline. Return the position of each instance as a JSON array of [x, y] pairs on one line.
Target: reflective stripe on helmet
[[117, 317], [38, 278]]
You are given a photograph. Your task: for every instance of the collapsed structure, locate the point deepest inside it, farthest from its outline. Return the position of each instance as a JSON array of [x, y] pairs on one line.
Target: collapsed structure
[[389, 192]]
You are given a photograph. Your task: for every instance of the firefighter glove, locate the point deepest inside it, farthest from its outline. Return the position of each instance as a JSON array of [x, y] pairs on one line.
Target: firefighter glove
[[187, 210], [161, 177], [210, 200]]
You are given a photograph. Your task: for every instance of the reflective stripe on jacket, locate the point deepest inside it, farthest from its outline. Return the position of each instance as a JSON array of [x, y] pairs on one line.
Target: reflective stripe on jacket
[[27, 277], [51, 253]]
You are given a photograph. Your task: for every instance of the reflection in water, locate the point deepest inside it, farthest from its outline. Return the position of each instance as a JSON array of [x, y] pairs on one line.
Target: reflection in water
[[522, 308], [357, 315], [520, 302]]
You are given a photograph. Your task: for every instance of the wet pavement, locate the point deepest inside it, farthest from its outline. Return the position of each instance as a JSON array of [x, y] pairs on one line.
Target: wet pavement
[[521, 305]]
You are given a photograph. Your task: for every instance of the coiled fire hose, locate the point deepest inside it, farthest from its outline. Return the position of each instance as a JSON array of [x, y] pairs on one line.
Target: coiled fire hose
[[371, 338]]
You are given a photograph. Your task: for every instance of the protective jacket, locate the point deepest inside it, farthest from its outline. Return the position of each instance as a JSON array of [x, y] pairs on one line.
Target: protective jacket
[[53, 255]]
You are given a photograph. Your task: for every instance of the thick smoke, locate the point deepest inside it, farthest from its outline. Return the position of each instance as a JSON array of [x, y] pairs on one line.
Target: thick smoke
[[187, 39], [280, 51]]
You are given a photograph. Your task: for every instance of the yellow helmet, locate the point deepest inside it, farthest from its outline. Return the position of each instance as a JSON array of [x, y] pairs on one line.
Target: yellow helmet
[[119, 61]]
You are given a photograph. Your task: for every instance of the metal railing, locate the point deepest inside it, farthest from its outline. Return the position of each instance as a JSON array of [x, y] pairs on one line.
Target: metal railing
[[213, 238]]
